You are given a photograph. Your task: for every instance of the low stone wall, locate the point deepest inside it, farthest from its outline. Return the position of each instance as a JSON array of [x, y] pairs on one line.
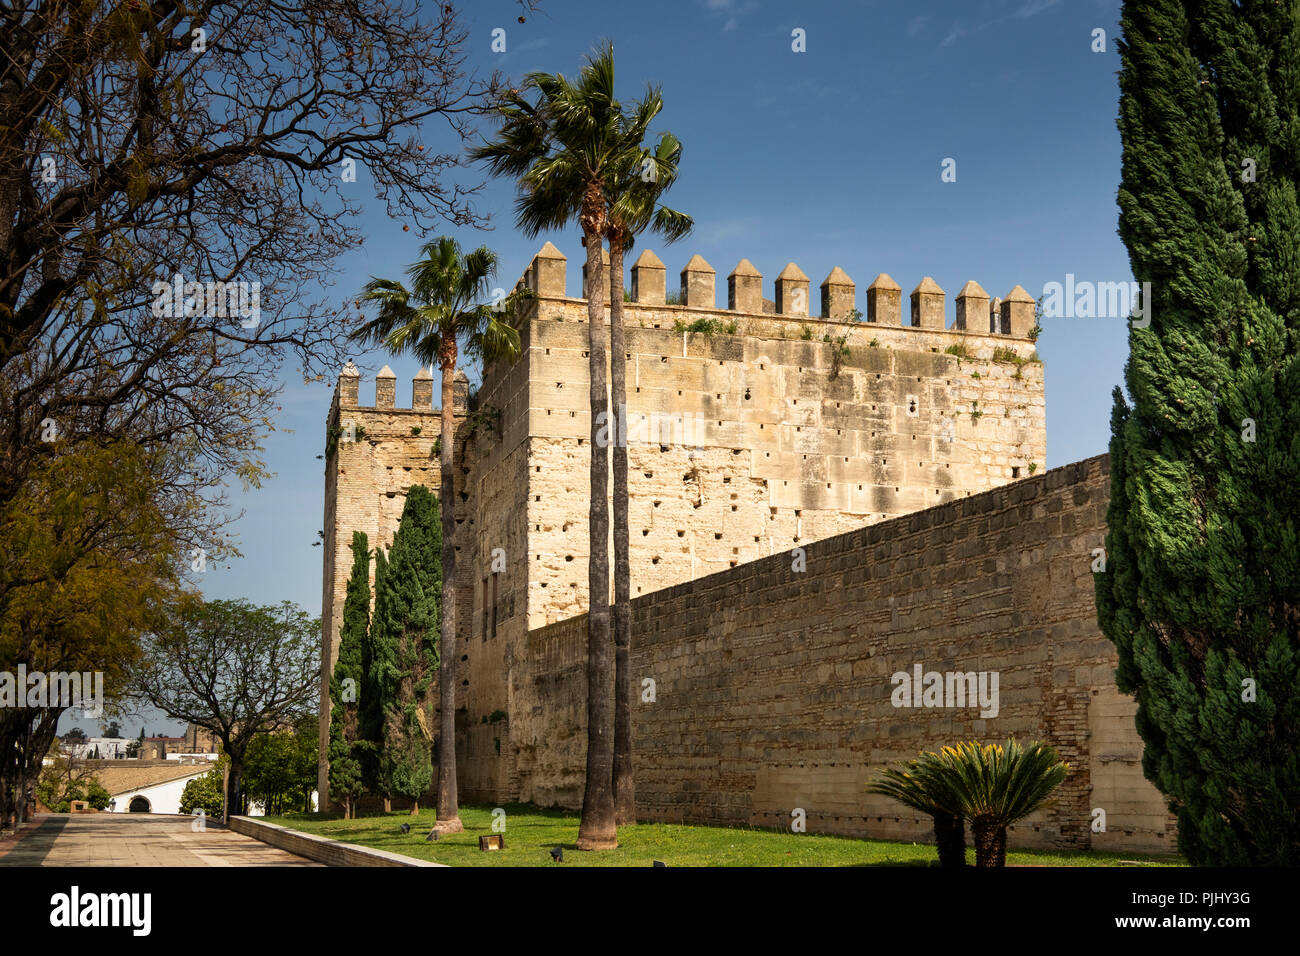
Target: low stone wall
[[320, 849], [773, 688]]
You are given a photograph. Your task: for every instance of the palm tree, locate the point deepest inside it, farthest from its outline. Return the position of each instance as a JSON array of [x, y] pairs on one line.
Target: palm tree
[[632, 195], [443, 309], [920, 784], [563, 148], [996, 785]]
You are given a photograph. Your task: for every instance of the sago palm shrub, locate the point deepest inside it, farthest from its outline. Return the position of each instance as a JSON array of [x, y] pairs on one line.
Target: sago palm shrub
[[995, 785], [921, 785]]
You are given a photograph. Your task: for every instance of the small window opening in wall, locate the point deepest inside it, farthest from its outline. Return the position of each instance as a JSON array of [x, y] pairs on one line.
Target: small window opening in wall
[[746, 394], [733, 507], [733, 564], [537, 498], [718, 395], [663, 448], [584, 355], [681, 533], [570, 414], [726, 480], [798, 512], [717, 536], [1015, 471], [537, 468], [721, 362], [638, 388], [663, 358], [679, 391], [548, 351], [644, 532], [559, 385], [568, 557], [655, 559], [761, 366], [548, 411], [649, 474], [658, 503], [859, 487]]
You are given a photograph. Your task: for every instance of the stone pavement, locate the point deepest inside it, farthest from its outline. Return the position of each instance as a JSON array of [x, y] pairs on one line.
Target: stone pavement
[[137, 839]]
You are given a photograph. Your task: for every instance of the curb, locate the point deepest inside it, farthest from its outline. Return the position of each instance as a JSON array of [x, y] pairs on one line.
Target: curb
[[321, 849]]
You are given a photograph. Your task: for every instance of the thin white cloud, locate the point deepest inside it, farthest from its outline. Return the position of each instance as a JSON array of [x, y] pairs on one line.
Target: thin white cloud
[[1032, 8], [732, 11]]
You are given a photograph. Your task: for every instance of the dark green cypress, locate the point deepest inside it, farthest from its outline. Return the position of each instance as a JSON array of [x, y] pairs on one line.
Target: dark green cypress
[[371, 704], [346, 682], [406, 631], [1201, 592]]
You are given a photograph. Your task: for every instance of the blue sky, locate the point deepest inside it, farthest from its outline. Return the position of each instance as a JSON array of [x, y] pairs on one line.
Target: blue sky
[[826, 157]]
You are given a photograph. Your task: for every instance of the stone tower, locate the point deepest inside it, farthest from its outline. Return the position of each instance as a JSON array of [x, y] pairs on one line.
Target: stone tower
[[774, 430]]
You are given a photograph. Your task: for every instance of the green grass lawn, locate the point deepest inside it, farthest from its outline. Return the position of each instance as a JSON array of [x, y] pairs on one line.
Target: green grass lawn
[[531, 833]]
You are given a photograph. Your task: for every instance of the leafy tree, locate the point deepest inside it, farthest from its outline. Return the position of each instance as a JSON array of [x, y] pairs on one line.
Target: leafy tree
[[405, 649], [1202, 581], [232, 668], [564, 147], [63, 608], [203, 793], [345, 780], [280, 769], [63, 781], [632, 195], [443, 310], [75, 736], [129, 151], [112, 730]]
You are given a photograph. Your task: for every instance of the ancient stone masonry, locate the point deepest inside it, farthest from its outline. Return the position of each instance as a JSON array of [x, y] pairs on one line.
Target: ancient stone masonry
[[751, 430], [766, 689]]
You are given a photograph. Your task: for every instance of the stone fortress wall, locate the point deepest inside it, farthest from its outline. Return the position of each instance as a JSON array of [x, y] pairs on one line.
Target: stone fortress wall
[[745, 441], [773, 688]]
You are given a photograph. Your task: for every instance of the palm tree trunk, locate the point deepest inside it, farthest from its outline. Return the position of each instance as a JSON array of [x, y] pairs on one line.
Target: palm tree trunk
[[598, 829], [624, 786], [950, 839], [448, 802], [990, 844]]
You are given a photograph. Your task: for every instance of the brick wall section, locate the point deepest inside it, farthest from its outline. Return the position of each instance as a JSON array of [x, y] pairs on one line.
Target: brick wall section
[[773, 688]]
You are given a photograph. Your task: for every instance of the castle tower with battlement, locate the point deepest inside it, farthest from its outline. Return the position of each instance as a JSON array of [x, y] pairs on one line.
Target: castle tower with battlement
[[751, 430]]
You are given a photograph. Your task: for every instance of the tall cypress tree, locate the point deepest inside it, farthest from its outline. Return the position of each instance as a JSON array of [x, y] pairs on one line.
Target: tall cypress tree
[[345, 683], [370, 711], [1201, 593], [405, 633]]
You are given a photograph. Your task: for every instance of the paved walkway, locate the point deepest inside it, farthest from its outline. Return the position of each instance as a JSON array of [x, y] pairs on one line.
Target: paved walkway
[[137, 839]]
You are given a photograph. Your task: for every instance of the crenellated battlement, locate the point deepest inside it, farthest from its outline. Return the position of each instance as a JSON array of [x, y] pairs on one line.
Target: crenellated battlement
[[976, 313], [348, 388]]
